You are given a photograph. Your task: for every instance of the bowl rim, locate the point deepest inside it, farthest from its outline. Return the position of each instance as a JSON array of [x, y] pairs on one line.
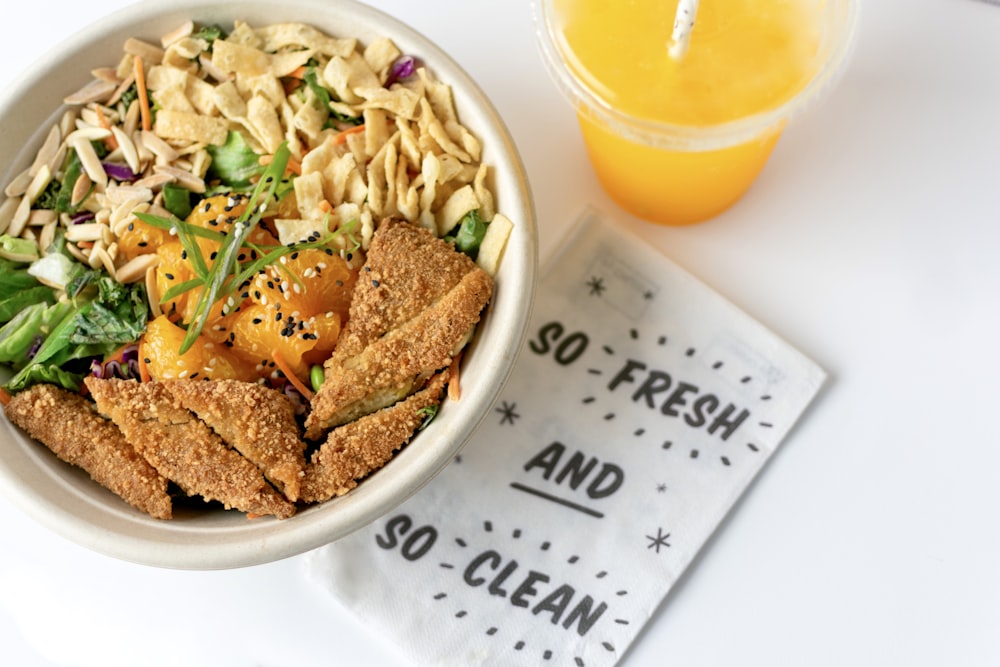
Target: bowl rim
[[66, 501]]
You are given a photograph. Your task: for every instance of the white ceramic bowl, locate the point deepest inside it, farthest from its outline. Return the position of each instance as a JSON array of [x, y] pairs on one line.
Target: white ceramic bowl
[[66, 500]]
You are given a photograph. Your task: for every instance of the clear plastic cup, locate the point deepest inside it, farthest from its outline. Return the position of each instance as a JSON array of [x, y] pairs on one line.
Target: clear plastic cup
[[682, 173]]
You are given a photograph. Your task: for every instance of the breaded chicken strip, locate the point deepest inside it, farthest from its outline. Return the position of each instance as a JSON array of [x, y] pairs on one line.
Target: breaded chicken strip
[[183, 449], [67, 424], [354, 450], [415, 305], [259, 422]]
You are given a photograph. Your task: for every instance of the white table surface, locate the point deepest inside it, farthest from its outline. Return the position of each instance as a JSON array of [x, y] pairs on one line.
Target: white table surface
[[870, 242]]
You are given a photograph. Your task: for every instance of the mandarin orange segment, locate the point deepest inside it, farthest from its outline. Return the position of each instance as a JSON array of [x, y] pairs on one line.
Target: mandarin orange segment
[[326, 327], [173, 269], [259, 330], [323, 283], [218, 212], [160, 345], [140, 238]]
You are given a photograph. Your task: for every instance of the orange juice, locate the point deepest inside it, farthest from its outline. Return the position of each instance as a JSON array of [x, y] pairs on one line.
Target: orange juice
[[678, 140]]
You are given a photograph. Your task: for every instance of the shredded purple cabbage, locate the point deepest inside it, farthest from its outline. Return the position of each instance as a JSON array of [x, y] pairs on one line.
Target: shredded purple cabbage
[[35, 346], [130, 354], [81, 217], [126, 369], [403, 68], [298, 401], [119, 172]]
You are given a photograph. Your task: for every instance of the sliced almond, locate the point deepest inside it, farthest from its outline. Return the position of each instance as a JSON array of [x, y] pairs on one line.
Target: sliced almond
[[96, 90]]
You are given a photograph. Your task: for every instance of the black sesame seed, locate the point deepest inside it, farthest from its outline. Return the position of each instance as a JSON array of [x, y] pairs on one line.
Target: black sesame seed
[[184, 254], [375, 283], [131, 226], [142, 244], [169, 276], [340, 283], [257, 320]]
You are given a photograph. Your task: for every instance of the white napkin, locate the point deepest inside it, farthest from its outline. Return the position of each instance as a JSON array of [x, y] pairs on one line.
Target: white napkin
[[641, 408]]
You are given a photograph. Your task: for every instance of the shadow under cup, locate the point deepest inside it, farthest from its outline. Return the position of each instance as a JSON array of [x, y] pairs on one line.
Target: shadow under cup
[[684, 174]]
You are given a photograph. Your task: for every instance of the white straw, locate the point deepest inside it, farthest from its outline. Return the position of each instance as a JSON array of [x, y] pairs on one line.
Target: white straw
[[683, 25]]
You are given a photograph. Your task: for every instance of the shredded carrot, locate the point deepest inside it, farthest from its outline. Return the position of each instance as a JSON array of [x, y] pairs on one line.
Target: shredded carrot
[[341, 136], [283, 366], [4, 396], [454, 388], [325, 206], [84, 244], [109, 140], [293, 166], [118, 354], [298, 73], [140, 86]]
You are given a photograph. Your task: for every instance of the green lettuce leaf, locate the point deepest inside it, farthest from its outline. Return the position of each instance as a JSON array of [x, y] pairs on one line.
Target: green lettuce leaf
[[14, 303], [47, 374], [469, 236], [234, 162]]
